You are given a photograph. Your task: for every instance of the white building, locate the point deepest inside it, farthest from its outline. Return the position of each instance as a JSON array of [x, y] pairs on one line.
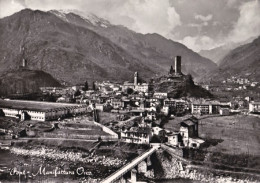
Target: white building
[[254, 106], [40, 111], [137, 135]]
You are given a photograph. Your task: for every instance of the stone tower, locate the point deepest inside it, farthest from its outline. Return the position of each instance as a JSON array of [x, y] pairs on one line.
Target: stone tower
[[24, 63], [177, 65]]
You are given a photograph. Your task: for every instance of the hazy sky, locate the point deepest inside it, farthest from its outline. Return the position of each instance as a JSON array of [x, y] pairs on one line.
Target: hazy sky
[[199, 24]]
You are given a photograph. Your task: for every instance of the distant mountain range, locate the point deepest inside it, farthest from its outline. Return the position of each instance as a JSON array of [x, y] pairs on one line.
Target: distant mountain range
[[75, 48], [243, 61], [218, 53]]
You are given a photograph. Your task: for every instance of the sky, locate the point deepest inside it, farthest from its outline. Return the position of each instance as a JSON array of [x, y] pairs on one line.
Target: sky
[[199, 24]]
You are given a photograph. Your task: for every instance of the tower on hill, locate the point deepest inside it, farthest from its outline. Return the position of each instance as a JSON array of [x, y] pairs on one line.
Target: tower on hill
[[177, 65]]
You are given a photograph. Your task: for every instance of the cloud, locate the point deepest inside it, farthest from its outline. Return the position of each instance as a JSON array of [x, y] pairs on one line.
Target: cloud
[[204, 18], [147, 16], [231, 3], [248, 23], [197, 43], [8, 7], [144, 16]]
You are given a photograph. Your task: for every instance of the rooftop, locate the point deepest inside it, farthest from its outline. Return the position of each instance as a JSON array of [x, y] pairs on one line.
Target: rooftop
[[34, 105]]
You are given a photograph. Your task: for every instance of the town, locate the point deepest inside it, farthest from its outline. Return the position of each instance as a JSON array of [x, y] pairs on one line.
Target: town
[[134, 112]]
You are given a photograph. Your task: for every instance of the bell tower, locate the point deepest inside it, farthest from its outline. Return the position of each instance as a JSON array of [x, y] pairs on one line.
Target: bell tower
[[136, 78]]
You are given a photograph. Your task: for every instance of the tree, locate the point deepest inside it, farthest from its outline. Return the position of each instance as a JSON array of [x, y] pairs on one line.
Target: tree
[[129, 91], [93, 86], [77, 93], [85, 88]]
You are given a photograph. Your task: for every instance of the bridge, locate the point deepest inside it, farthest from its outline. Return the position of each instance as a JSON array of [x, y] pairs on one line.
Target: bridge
[[130, 167]]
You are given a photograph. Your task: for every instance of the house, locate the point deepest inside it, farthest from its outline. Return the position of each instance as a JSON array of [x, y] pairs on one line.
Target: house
[[224, 111], [205, 108], [116, 103], [100, 107], [160, 95], [189, 128], [174, 139], [158, 131], [254, 106], [137, 135], [189, 133]]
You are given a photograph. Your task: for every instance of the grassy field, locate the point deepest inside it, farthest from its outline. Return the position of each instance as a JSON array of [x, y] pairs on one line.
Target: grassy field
[[106, 117], [240, 134], [230, 140]]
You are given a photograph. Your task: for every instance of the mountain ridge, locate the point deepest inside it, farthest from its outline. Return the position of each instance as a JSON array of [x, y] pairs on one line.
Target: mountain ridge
[[73, 51], [243, 61]]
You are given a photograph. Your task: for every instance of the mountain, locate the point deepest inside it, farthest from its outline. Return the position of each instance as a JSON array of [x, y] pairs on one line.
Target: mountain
[[215, 54], [68, 52], [218, 53], [243, 61], [25, 81], [152, 50], [74, 48]]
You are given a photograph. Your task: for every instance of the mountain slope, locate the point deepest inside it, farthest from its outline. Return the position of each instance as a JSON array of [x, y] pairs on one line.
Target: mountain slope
[[25, 81], [152, 50], [68, 52], [243, 61], [217, 54], [74, 49]]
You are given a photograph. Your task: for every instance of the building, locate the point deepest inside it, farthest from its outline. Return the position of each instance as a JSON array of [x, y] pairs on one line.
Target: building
[[175, 104], [40, 111], [205, 108], [189, 133], [137, 135], [189, 128], [224, 111], [140, 87], [160, 95], [254, 106], [174, 139], [177, 65], [116, 103]]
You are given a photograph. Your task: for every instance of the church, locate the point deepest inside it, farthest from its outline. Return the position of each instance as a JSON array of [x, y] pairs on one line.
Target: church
[[140, 87]]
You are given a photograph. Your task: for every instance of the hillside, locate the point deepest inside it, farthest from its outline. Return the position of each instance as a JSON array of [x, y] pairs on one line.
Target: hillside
[[152, 50], [215, 54], [25, 81], [186, 88], [68, 52], [243, 61]]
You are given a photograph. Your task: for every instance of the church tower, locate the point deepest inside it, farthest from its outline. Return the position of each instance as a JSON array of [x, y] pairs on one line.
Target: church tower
[[136, 78]]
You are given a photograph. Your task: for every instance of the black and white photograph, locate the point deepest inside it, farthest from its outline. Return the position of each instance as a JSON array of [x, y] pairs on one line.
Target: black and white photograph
[[129, 91]]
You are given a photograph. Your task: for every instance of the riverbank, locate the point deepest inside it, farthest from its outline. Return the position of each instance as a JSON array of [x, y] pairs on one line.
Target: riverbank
[[67, 155], [172, 168]]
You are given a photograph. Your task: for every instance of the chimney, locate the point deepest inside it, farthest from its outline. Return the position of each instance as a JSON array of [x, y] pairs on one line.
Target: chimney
[[177, 64]]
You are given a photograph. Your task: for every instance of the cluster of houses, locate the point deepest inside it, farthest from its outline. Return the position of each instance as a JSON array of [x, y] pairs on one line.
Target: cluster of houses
[[186, 136]]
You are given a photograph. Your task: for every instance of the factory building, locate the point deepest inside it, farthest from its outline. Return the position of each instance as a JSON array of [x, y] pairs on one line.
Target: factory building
[[40, 111]]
